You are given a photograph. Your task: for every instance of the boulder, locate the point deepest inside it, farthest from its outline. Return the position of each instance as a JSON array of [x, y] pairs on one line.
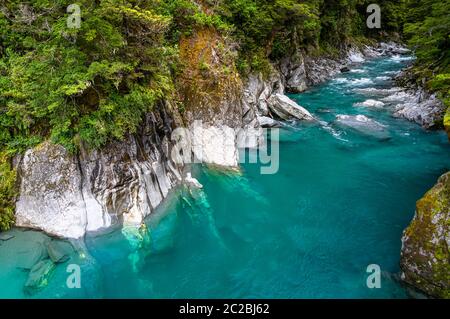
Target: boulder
[[425, 255], [192, 181], [285, 108], [345, 69], [268, 122]]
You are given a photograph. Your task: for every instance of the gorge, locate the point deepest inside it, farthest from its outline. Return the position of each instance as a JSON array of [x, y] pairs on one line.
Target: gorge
[[89, 125], [335, 204]]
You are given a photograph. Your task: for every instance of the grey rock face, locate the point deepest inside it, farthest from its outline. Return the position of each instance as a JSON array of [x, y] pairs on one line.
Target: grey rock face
[[392, 48], [420, 107], [51, 198], [294, 74], [258, 90], [66, 196]]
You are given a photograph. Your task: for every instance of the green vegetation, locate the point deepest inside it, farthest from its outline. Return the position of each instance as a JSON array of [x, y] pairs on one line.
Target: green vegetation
[[7, 194], [94, 83], [427, 28]]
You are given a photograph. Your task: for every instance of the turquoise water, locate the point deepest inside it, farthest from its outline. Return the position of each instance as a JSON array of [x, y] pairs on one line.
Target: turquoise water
[[339, 202]]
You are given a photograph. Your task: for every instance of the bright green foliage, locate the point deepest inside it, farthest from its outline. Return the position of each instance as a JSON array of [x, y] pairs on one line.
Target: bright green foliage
[[94, 82], [7, 194], [276, 28], [428, 26], [428, 30]]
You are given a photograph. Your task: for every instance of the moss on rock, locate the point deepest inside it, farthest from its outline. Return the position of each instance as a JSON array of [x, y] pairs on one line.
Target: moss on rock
[[447, 122], [425, 256]]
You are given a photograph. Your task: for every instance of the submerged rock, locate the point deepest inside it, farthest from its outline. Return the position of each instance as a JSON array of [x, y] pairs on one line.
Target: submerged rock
[[425, 255], [363, 124], [192, 181], [31, 255], [59, 251], [5, 237], [39, 276]]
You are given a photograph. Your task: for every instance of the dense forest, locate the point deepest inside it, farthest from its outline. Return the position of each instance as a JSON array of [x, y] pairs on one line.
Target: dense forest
[[93, 83]]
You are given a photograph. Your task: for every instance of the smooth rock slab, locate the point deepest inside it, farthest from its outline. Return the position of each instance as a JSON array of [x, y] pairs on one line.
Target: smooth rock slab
[[286, 109], [50, 192]]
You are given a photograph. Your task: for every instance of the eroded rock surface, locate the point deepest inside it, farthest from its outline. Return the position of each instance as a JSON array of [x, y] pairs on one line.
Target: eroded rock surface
[[67, 195]]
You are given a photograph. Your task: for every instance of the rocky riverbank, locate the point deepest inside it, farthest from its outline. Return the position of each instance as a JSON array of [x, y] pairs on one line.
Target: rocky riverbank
[[67, 195]]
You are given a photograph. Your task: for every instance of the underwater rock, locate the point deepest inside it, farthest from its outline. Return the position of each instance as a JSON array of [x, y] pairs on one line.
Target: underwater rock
[[31, 255], [363, 124], [59, 251], [39, 276], [192, 182], [6, 237], [425, 255], [345, 69]]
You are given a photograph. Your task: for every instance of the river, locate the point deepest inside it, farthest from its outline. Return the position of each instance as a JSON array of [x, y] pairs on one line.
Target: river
[[339, 202]]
